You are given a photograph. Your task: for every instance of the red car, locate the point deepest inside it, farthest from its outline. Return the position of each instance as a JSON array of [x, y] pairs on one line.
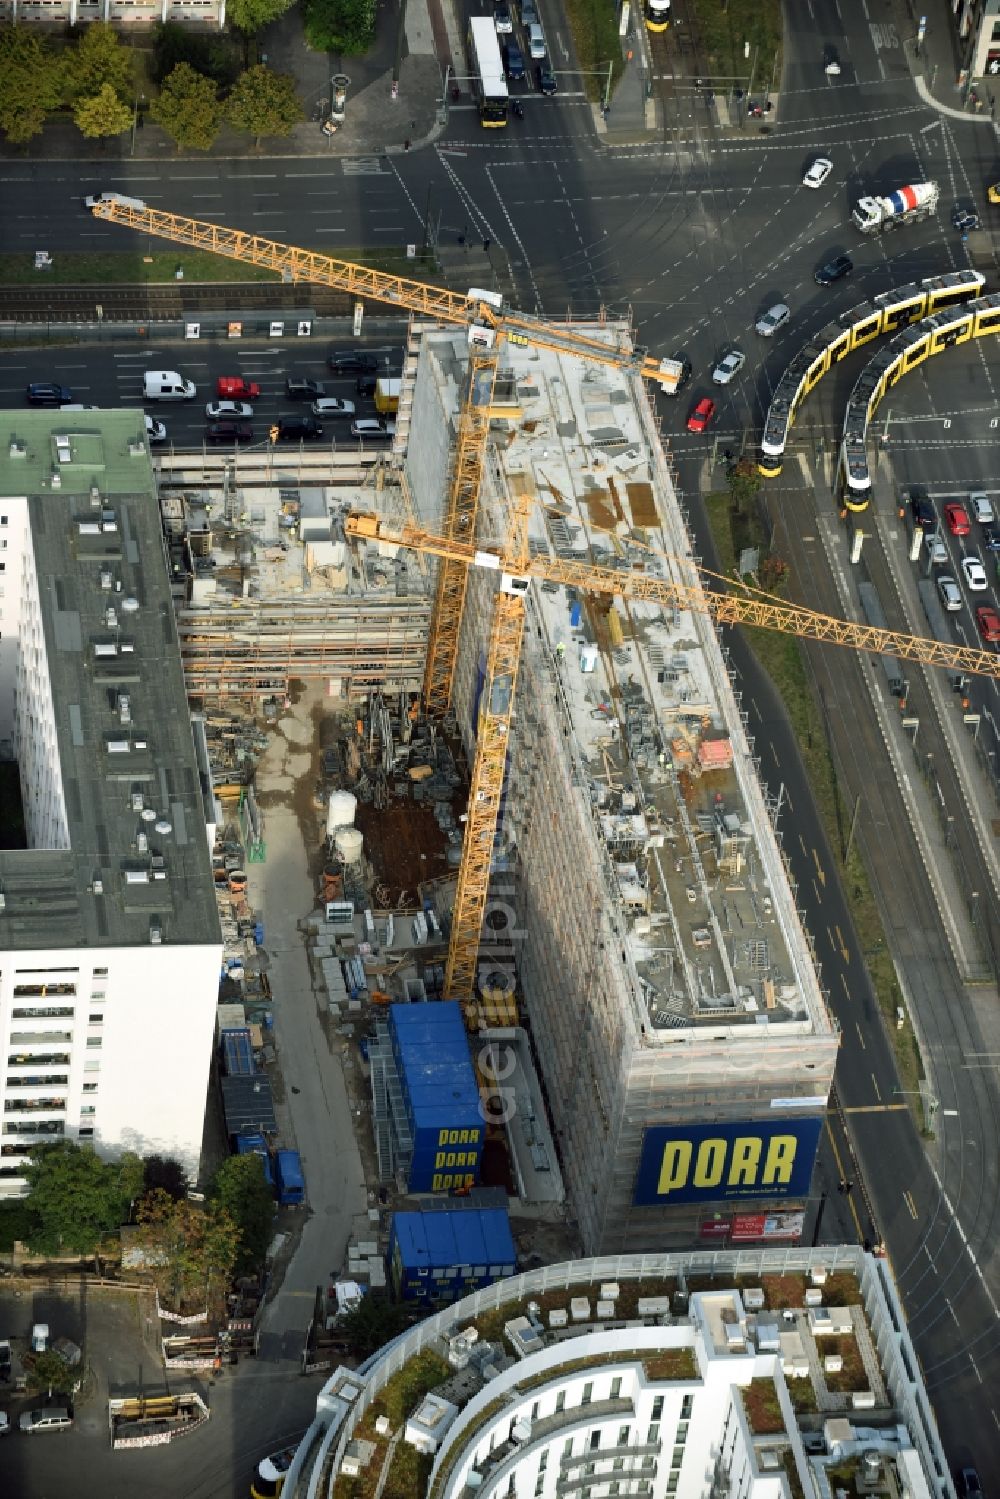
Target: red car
[[235, 388], [701, 414], [988, 621], [957, 520]]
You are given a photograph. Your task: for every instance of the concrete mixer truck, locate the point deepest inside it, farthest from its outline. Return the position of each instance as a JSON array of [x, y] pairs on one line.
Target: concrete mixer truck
[[905, 205]]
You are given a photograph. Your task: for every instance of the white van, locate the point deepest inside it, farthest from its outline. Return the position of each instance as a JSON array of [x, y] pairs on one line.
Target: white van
[[536, 42], [167, 385]]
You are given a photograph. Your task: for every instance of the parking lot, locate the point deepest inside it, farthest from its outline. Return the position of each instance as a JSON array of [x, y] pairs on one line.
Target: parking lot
[[255, 1407]]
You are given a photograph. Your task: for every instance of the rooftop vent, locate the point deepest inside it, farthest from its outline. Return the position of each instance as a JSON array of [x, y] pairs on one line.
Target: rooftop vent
[[163, 826], [137, 801], [95, 496], [3, 901], [85, 527], [130, 604], [109, 521], [155, 933], [18, 449], [148, 814], [107, 578], [57, 481], [97, 888], [111, 617], [141, 842]]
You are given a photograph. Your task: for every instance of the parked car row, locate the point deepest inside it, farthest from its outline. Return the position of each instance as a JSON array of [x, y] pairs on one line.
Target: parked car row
[[229, 418], [958, 519]]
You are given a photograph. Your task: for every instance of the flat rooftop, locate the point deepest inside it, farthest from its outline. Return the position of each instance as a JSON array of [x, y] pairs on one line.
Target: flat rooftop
[[138, 867], [654, 727]]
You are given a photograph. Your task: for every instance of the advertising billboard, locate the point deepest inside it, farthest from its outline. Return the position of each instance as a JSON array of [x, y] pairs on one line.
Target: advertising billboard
[[767, 1227], [726, 1162]]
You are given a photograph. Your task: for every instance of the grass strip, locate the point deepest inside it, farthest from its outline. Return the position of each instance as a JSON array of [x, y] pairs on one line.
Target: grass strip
[[158, 267], [594, 24], [782, 658], [725, 31]]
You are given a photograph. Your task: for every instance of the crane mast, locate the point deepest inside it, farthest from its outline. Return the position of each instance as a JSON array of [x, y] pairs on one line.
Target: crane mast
[[489, 322]]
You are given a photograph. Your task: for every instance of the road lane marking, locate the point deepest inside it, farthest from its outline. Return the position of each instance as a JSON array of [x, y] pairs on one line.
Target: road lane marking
[[911, 1205], [842, 1175], [819, 868], [874, 1108], [860, 1036], [875, 1086]]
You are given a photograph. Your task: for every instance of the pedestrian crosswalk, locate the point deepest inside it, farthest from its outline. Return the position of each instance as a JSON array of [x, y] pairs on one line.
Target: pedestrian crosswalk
[[364, 166]]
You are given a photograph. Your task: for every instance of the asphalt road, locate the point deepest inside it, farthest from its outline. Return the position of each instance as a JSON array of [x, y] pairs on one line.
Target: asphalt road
[[97, 377], [696, 234]]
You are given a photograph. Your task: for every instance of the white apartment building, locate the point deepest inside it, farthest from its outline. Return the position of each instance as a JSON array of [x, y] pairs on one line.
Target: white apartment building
[[110, 948], [785, 1375]]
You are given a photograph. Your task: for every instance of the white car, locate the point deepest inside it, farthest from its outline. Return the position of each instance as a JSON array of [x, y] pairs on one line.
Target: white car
[[502, 18], [728, 368], [951, 594], [818, 172], [332, 406], [229, 411], [975, 574], [774, 318], [536, 42], [982, 508]]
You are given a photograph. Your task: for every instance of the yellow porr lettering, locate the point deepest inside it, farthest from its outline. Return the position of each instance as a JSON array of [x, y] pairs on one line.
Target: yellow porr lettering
[[710, 1163], [674, 1166], [745, 1160], [780, 1159]]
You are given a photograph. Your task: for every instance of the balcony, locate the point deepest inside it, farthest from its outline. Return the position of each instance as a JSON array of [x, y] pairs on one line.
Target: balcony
[[38, 1080], [499, 1463], [38, 1038], [34, 1106], [40, 1127], [607, 1454], [39, 1058]]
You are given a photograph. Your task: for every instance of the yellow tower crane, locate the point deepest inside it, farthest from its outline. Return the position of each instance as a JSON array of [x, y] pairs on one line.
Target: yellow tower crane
[[516, 569], [488, 323]]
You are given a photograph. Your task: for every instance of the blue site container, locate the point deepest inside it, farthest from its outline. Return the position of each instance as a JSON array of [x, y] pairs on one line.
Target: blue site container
[[237, 1052], [291, 1186], [444, 1255], [441, 1096], [256, 1145], [575, 614]]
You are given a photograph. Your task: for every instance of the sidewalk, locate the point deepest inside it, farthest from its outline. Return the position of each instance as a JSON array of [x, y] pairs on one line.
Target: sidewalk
[[375, 122], [936, 65]]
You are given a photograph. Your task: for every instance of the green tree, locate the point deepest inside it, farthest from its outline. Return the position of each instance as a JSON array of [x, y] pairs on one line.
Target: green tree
[[343, 26], [371, 1325], [240, 1187], [250, 16], [744, 481], [99, 59], [264, 103], [208, 53], [78, 1199], [103, 114], [49, 1374], [188, 109], [165, 1173], [190, 1249], [31, 83]]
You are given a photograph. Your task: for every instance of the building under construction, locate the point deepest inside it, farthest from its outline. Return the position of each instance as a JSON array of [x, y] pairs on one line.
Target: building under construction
[[639, 902]]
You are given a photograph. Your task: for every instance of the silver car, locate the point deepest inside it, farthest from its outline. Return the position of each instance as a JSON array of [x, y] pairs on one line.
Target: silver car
[[49, 1418], [729, 367], [774, 318], [951, 596], [229, 411]]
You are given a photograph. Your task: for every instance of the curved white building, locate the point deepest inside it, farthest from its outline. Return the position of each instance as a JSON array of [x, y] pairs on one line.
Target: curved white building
[[764, 1375]]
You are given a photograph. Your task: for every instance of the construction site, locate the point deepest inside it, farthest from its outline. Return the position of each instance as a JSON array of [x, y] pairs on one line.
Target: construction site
[[537, 797], [641, 961]]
